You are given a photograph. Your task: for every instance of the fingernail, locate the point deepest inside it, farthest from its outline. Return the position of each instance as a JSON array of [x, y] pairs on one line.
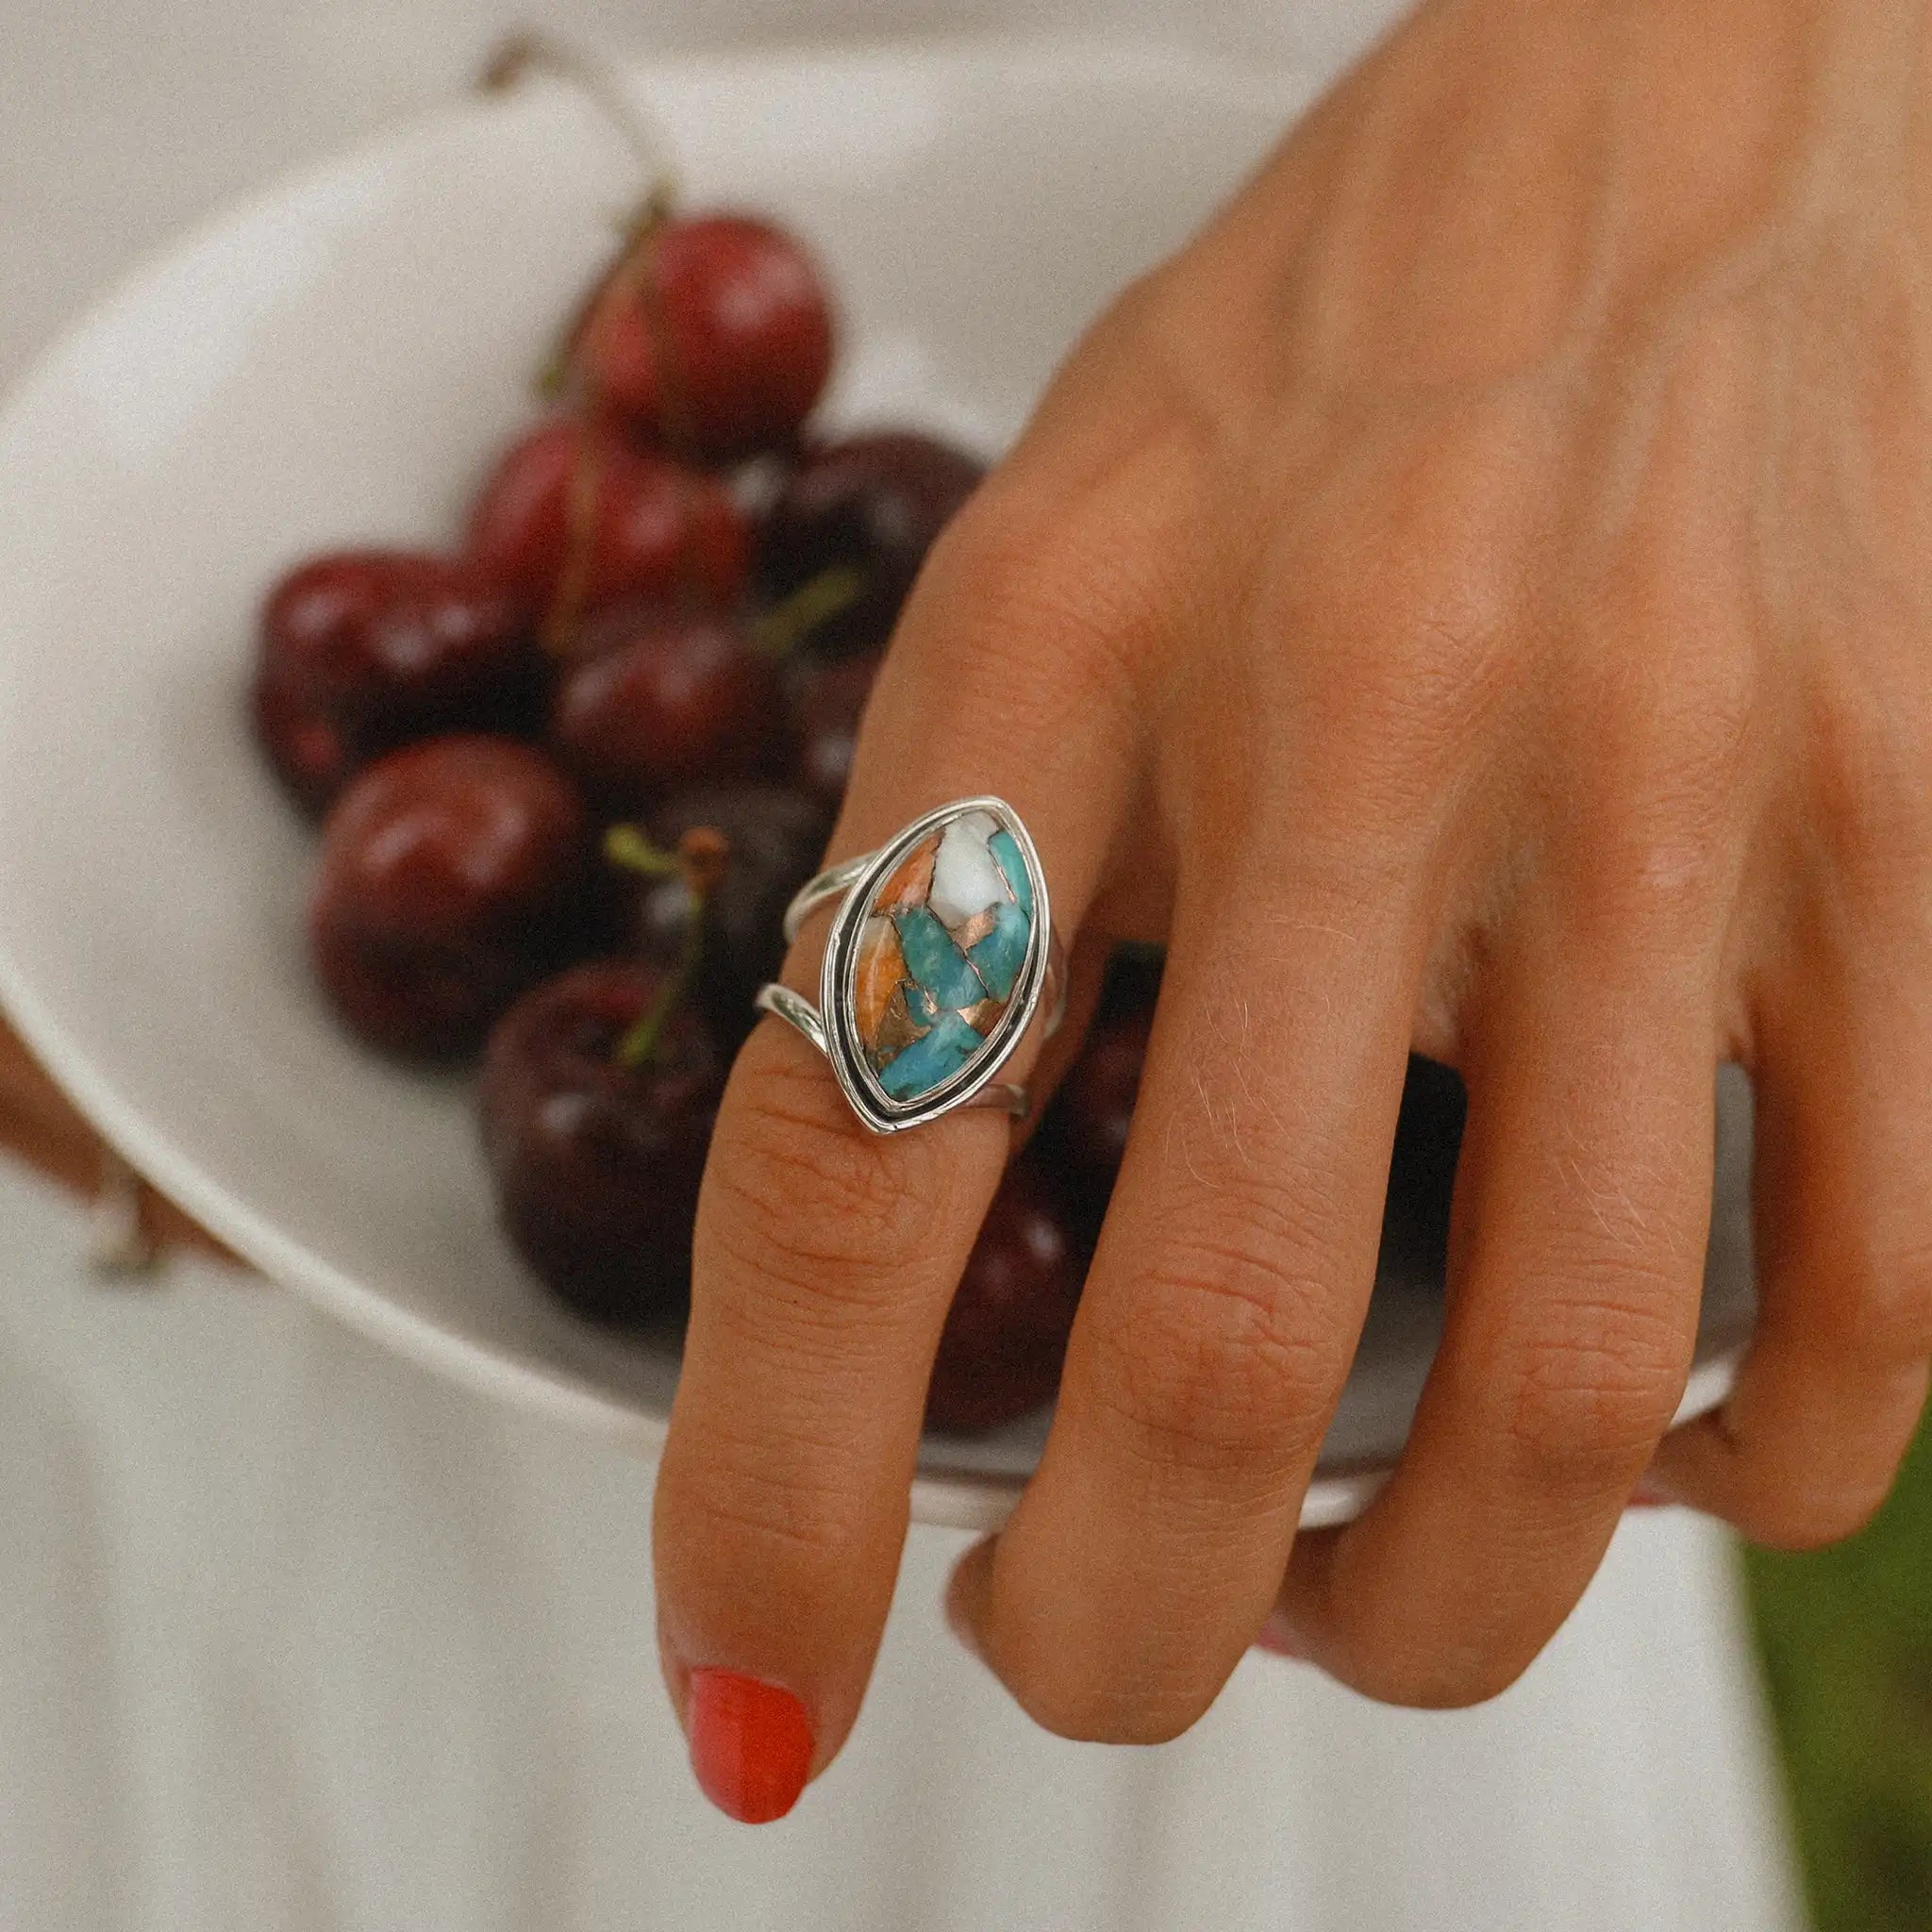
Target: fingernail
[[1651, 1494], [750, 1744], [1278, 1638]]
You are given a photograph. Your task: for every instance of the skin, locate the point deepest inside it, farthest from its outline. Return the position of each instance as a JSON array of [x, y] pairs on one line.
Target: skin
[[1488, 571]]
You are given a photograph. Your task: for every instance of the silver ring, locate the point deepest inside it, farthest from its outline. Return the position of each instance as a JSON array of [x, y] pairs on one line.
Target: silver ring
[[941, 956]]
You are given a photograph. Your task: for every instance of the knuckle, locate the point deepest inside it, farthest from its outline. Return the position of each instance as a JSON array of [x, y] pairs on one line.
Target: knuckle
[[1223, 1358], [1402, 687], [1401, 602], [799, 1197], [1867, 775], [1592, 1387], [1660, 821], [776, 1515], [1085, 568]]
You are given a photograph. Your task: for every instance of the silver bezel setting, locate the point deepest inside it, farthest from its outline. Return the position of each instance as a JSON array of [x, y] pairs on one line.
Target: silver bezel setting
[[838, 980]]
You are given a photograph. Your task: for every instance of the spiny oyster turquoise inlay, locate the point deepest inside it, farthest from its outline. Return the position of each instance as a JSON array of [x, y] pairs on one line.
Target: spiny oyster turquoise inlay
[[941, 953]]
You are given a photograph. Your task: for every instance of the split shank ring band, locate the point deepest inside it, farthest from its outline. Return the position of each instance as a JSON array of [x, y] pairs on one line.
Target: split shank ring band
[[941, 956]]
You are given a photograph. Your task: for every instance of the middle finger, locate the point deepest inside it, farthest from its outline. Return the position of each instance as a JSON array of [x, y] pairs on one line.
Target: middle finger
[[1226, 1296], [1581, 1213]]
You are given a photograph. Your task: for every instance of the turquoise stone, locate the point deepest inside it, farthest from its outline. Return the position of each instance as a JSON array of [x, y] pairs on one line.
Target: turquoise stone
[[997, 958], [1013, 864], [935, 961], [928, 1063]]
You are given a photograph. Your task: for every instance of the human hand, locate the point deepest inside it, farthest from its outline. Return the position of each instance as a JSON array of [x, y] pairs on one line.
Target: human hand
[[1474, 598], [40, 1125]]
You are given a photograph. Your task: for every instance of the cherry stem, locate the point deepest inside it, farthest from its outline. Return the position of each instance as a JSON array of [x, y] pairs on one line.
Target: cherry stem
[[639, 233], [701, 861], [527, 52], [787, 624], [628, 845]]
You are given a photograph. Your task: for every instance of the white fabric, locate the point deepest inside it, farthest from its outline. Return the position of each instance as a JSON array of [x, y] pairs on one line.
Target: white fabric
[[294, 1637]]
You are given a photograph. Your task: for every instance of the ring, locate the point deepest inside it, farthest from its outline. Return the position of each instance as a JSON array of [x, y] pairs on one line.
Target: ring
[[940, 958]]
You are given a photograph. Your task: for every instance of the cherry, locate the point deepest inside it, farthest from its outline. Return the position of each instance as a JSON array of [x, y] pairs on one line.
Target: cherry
[[772, 841], [1005, 1335], [360, 650], [713, 333], [827, 701], [572, 511], [450, 879], [308, 751], [873, 505], [597, 1148], [1094, 1107], [661, 700]]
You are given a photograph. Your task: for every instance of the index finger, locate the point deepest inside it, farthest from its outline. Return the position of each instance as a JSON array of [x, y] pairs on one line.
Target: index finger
[[825, 1255]]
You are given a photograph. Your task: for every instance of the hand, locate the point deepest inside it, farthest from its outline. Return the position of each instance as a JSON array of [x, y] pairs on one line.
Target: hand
[[38, 1126], [1475, 597]]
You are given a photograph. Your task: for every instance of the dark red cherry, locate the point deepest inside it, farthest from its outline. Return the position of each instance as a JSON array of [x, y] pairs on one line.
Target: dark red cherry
[[714, 334], [774, 839], [1005, 1335], [827, 701], [1084, 1133], [1094, 1107], [360, 650], [659, 700], [308, 751], [576, 508], [597, 1161], [873, 505], [450, 879]]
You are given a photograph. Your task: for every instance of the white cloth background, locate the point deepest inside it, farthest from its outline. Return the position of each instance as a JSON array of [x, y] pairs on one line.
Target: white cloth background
[[294, 1637]]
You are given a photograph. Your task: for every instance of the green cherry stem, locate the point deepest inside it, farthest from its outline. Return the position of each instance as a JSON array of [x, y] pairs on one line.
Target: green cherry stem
[[524, 53], [701, 861], [639, 234], [780, 630], [528, 52], [626, 845]]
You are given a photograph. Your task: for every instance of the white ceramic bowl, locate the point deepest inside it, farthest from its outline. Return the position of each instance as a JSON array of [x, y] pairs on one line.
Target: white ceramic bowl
[[334, 362]]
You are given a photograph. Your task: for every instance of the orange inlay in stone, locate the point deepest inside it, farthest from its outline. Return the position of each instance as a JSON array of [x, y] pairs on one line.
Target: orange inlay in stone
[[880, 970], [912, 881], [984, 1016]]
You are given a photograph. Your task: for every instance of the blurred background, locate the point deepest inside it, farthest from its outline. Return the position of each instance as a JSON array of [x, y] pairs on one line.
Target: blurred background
[[1846, 1640], [118, 125]]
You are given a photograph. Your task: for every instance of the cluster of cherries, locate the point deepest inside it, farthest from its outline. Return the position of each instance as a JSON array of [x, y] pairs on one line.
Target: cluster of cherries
[[570, 775]]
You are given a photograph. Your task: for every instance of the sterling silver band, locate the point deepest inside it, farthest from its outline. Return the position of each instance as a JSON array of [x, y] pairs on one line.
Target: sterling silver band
[[940, 957]]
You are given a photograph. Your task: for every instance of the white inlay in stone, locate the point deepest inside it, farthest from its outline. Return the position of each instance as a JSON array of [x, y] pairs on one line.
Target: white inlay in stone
[[965, 879]]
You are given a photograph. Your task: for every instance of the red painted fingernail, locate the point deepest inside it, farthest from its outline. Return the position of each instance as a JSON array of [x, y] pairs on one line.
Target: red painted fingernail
[[750, 1744]]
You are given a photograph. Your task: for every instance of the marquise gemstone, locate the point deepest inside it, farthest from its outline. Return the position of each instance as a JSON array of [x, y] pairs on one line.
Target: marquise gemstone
[[940, 954]]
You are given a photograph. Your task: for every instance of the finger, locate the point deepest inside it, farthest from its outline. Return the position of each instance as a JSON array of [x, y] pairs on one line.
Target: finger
[[826, 1255], [1581, 1211], [1832, 1388], [1227, 1292]]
